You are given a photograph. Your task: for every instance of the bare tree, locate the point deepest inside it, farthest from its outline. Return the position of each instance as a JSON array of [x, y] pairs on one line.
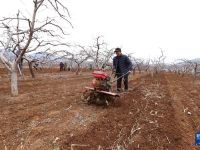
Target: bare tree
[[48, 56], [24, 32], [147, 65], [99, 52], [175, 68], [134, 65], [139, 64], [157, 64], [79, 57], [185, 69], [195, 67], [181, 68]]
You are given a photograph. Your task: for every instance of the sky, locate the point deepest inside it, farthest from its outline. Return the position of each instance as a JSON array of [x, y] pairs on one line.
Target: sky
[[142, 27]]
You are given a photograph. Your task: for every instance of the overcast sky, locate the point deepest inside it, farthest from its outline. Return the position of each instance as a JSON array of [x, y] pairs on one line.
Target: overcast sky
[[138, 26]]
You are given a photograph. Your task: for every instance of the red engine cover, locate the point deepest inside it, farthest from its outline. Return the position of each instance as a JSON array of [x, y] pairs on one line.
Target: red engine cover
[[99, 74], [93, 82]]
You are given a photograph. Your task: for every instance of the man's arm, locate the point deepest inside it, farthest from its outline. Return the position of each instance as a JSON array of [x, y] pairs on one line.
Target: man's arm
[[129, 63]]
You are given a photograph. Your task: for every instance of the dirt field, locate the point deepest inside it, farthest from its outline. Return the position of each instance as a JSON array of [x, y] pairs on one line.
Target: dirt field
[[48, 113]]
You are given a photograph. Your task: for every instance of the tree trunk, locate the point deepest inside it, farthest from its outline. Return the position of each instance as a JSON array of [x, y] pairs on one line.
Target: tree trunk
[[194, 76], [151, 73], [194, 73], [31, 69], [71, 67], [139, 71], [14, 86], [81, 70], [77, 70], [146, 71], [134, 71], [156, 71]]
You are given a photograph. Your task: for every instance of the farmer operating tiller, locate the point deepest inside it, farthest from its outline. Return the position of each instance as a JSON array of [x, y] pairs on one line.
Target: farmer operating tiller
[[100, 93], [121, 65]]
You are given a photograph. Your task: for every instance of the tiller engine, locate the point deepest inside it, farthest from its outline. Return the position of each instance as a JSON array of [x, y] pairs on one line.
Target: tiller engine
[[101, 91]]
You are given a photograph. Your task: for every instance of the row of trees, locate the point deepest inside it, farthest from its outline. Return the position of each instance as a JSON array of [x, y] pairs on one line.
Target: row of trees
[[44, 38], [185, 66], [156, 64], [29, 33]]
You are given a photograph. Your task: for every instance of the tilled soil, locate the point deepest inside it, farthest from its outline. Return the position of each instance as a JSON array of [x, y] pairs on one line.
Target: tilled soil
[[49, 113]]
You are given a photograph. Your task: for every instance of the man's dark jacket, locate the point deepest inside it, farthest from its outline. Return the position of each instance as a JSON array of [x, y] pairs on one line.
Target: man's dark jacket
[[124, 63]]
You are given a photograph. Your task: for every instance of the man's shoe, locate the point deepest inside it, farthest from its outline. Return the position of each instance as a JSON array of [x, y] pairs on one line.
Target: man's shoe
[[126, 90], [118, 90]]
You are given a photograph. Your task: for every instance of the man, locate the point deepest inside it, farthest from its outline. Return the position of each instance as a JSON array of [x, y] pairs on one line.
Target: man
[[65, 66], [90, 67], [121, 65], [36, 65], [61, 66], [69, 68], [21, 61]]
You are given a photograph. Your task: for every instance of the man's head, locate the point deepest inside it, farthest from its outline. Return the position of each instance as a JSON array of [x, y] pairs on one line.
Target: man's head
[[118, 52]]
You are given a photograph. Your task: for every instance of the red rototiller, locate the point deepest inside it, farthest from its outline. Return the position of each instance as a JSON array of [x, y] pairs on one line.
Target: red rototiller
[[101, 91]]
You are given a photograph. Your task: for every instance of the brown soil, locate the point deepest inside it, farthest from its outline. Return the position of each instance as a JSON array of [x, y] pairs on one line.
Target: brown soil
[[48, 113]]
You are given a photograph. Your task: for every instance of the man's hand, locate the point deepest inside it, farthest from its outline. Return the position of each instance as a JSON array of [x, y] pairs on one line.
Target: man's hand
[[129, 71], [114, 70]]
